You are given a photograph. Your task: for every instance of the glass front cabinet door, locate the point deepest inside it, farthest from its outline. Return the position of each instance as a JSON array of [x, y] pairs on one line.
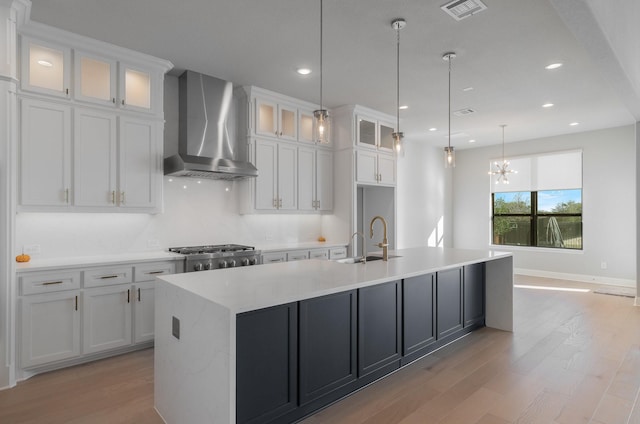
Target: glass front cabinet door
[[45, 68], [95, 79]]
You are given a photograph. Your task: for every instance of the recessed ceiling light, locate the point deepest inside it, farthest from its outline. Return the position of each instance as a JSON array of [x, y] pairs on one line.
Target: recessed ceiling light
[[467, 89], [547, 105], [553, 66], [45, 63], [303, 71], [433, 129], [472, 141], [573, 124], [403, 107]]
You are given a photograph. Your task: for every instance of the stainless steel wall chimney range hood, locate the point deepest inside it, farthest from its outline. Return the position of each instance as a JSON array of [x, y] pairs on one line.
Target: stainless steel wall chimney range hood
[[207, 144]]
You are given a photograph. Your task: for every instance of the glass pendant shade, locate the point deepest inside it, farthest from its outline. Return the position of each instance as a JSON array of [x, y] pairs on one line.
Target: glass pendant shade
[[321, 126], [398, 24], [449, 157]]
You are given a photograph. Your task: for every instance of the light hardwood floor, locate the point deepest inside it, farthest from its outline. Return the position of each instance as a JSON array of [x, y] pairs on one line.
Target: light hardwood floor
[[574, 358]]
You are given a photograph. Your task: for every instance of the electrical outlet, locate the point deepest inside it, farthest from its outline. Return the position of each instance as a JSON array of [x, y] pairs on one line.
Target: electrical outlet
[[603, 265], [32, 249]]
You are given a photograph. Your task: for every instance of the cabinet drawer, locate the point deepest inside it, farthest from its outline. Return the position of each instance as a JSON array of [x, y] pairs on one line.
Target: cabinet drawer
[[148, 272], [96, 277], [297, 255], [319, 254], [46, 282], [269, 258], [338, 253]]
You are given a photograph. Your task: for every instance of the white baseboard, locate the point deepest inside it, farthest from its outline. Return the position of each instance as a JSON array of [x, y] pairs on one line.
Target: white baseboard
[[621, 282], [637, 302]]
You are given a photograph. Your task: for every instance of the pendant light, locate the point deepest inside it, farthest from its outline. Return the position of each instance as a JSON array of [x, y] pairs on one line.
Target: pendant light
[[449, 153], [321, 118], [398, 24], [502, 168]]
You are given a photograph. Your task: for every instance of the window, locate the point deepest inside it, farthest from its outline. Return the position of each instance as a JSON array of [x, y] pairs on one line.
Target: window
[[549, 218], [544, 205]]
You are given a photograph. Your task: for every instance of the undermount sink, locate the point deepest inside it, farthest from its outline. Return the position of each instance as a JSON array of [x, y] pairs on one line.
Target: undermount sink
[[358, 259]]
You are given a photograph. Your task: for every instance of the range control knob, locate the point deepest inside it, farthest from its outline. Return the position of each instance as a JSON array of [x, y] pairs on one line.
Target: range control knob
[[244, 262], [207, 265], [223, 264], [252, 261], [198, 267], [232, 263]]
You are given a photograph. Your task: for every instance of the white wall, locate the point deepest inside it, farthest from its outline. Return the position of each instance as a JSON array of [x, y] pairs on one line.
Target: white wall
[[609, 205], [423, 197], [202, 213]]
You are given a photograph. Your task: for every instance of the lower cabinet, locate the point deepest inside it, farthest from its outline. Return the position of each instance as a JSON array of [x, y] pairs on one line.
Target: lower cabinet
[[106, 318], [266, 363], [328, 348], [296, 358], [50, 327], [418, 314], [68, 314], [379, 327], [449, 302]]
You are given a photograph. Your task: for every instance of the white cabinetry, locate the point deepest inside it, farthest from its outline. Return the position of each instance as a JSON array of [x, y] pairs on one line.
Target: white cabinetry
[[115, 99], [46, 67], [49, 317], [375, 168], [106, 318], [302, 254], [68, 315], [276, 119], [45, 154], [374, 133], [275, 186], [315, 179]]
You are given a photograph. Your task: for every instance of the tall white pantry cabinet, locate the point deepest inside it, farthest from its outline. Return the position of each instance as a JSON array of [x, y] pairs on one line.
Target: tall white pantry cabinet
[[91, 125]]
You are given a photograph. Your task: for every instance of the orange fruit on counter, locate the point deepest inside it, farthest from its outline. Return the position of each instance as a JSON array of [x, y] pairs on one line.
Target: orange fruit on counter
[[23, 258]]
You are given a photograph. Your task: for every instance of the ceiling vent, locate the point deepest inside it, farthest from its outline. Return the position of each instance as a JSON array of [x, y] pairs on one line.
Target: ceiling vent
[[460, 9], [464, 112]]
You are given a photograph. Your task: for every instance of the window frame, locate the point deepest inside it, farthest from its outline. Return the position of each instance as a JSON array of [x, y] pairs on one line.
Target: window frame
[[533, 219]]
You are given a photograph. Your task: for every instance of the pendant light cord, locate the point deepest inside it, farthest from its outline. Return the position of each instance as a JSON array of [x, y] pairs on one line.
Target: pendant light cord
[[321, 1], [450, 59], [398, 81]]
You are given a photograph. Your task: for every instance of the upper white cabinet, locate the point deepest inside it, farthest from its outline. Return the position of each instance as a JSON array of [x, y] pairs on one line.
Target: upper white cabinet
[[315, 179], [45, 154], [305, 125], [95, 79], [375, 168], [275, 185], [46, 67], [276, 120], [91, 125], [373, 133]]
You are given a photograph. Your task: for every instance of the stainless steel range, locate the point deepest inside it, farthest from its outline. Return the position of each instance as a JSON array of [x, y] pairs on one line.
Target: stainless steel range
[[202, 258]]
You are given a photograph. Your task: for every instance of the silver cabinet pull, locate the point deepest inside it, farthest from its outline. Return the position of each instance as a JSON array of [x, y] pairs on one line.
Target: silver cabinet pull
[[66, 195], [76, 302], [122, 197], [49, 283], [113, 99], [139, 298], [113, 197], [105, 277], [128, 295], [155, 272]]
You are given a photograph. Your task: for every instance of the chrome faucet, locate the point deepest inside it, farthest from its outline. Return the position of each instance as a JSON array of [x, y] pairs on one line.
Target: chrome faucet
[[364, 246], [385, 243]]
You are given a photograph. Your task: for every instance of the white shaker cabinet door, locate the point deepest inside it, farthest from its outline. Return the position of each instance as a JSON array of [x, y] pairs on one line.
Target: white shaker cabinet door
[[50, 328], [324, 180], [139, 164], [387, 169], [287, 177], [45, 154], [107, 318], [366, 167], [143, 311], [306, 179], [266, 182], [94, 158]]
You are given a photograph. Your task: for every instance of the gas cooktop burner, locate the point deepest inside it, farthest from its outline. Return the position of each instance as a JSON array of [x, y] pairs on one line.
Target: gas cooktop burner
[[214, 256], [211, 248]]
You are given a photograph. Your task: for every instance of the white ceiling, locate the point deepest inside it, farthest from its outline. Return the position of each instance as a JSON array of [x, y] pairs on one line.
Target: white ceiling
[[501, 53]]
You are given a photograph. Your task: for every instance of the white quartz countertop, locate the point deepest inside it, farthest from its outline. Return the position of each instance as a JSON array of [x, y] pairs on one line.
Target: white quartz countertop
[[250, 288], [83, 261]]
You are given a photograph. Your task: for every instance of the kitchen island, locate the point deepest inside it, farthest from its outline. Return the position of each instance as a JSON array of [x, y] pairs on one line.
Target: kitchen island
[[276, 342]]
